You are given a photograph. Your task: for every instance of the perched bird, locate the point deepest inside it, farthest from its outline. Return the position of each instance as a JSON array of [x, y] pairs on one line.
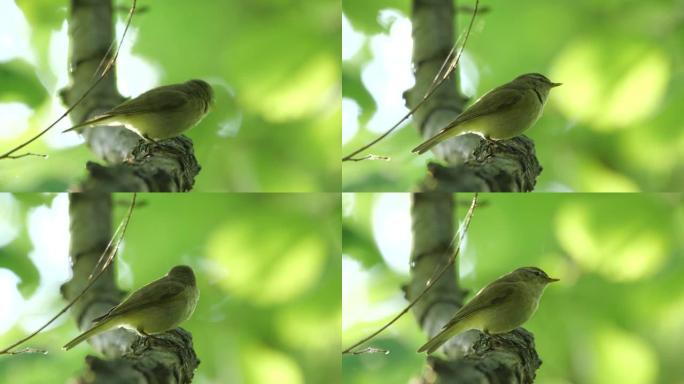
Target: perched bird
[[155, 308], [502, 113], [159, 113], [500, 307]]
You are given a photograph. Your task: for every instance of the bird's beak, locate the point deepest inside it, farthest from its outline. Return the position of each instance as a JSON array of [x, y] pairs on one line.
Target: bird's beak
[[556, 84], [552, 280]]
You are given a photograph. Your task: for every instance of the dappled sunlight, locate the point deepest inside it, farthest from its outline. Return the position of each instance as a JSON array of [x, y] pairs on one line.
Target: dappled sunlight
[[15, 118], [630, 251], [9, 219], [392, 229], [303, 93], [469, 76], [622, 357], [12, 301], [293, 272], [348, 204], [350, 119], [388, 74], [15, 33], [367, 298], [596, 177], [135, 74], [669, 324], [352, 41], [267, 365], [647, 151], [640, 91], [48, 229], [58, 60], [288, 265], [577, 68], [306, 327], [591, 91], [354, 288]]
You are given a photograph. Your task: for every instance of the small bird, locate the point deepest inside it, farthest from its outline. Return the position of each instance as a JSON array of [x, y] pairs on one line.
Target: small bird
[[155, 308], [502, 113], [159, 113], [500, 307]]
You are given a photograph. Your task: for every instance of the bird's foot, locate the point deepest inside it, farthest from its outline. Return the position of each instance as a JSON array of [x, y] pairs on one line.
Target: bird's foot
[[491, 146], [147, 338], [159, 146]]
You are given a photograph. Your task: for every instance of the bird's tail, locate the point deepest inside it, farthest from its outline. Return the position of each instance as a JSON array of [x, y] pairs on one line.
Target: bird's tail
[[436, 139], [88, 123], [441, 338], [94, 330]]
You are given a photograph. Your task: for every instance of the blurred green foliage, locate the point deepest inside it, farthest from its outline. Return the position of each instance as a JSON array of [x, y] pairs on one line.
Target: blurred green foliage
[[616, 316], [268, 269], [613, 126], [274, 66]]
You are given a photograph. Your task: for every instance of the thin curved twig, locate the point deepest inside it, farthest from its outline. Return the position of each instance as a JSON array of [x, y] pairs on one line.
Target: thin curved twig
[[439, 79], [436, 276], [110, 65], [111, 250]]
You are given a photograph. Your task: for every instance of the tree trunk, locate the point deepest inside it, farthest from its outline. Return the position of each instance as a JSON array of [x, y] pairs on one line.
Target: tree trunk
[[133, 164], [472, 356], [168, 358], [472, 164]]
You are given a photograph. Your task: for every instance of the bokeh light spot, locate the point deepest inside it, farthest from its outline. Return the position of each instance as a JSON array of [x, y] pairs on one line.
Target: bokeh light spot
[[610, 84]]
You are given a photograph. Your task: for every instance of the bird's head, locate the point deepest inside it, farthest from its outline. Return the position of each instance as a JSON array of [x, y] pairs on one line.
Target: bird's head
[[538, 82], [533, 274], [182, 273], [203, 90]]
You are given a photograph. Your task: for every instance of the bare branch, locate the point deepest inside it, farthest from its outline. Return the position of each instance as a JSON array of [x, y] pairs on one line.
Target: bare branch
[[8, 154], [439, 79], [436, 276], [108, 255]]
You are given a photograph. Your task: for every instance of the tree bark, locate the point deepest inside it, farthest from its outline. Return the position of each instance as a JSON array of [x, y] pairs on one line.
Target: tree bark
[[472, 164], [472, 357], [168, 358], [132, 164]]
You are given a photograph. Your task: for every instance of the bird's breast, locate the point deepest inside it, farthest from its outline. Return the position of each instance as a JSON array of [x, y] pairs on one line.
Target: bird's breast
[[515, 120]]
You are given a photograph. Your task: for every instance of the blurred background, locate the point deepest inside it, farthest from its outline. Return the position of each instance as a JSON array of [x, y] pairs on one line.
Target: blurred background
[[616, 316], [614, 125], [268, 269], [274, 67]]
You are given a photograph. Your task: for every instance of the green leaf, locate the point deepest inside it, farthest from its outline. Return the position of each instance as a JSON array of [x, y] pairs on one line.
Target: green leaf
[[19, 82], [360, 246], [355, 89], [14, 257]]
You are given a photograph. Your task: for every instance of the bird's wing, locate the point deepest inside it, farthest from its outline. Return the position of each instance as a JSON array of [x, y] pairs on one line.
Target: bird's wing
[[157, 100], [484, 299], [492, 101], [158, 291]]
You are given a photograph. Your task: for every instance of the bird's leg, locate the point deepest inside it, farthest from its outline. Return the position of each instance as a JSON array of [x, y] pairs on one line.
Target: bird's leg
[[150, 140], [160, 146], [489, 146], [494, 339], [493, 143], [148, 337], [153, 141]]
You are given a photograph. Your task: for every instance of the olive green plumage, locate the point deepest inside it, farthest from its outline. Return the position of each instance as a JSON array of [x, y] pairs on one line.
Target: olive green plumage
[[502, 113], [503, 305], [154, 308], [159, 113]]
